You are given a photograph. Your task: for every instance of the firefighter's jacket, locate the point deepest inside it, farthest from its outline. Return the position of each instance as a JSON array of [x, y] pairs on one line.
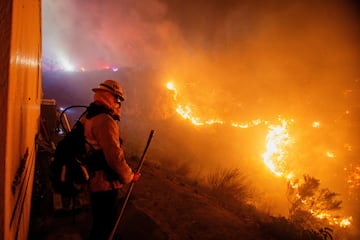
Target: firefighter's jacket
[[102, 132]]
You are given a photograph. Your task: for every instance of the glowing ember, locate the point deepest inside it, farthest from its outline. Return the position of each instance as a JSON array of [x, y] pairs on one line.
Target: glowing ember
[[330, 154], [171, 87], [316, 124], [353, 180], [185, 112], [345, 222], [341, 222], [250, 124]]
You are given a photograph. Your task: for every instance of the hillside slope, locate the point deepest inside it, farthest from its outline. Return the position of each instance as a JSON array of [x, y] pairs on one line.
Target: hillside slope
[[182, 211], [161, 207]]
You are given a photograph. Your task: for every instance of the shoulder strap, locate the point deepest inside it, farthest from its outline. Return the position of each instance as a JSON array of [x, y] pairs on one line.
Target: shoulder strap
[[95, 109], [91, 111]]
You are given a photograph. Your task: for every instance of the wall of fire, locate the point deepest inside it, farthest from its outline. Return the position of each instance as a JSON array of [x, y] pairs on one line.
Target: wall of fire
[[20, 98]]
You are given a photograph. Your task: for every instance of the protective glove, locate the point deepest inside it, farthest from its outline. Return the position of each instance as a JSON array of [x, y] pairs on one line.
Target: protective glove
[[136, 176]]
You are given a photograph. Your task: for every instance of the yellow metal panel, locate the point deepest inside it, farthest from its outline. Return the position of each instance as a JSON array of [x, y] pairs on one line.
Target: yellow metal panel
[[5, 30], [24, 98]]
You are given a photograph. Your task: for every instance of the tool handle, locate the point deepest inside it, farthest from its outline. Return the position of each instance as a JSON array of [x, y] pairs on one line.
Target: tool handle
[[131, 186], [145, 150]]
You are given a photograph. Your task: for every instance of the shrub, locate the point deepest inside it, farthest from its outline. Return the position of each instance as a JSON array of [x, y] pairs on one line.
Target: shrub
[[228, 184], [308, 201]]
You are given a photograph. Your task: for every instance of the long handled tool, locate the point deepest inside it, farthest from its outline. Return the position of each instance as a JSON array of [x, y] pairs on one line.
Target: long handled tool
[[130, 189]]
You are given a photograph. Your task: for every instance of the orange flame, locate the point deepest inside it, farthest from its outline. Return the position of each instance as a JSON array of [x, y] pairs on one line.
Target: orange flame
[[278, 140], [353, 180], [275, 156], [186, 112], [341, 222]]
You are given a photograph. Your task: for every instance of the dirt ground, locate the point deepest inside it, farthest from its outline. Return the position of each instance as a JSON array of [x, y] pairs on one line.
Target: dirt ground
[[161, 207]]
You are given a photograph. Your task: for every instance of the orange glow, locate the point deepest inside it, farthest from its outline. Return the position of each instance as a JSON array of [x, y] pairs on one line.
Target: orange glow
[[316, 124], [341, 222], [345, 222], [171, 87], [278, 144], [278, 140], [353, 179], [186, 112], [330, 154], [332, 219]]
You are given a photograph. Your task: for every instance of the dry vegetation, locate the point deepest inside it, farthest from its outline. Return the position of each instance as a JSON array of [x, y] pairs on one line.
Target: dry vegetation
[[224, 193], [169, 203], [178, 200]]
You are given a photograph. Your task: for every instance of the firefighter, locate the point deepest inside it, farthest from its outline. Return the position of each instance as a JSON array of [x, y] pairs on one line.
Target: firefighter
[[110, 171]]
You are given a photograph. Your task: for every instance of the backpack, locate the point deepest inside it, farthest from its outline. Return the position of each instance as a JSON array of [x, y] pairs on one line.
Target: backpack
[[68, 169], [72, 165]]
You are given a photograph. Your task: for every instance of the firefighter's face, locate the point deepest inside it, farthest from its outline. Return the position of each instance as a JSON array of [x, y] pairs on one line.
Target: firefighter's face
[[117, 101]]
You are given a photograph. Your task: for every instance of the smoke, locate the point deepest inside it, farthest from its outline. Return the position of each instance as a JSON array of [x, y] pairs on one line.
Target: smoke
[[238, 60], [259, 54], [262, 55]]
